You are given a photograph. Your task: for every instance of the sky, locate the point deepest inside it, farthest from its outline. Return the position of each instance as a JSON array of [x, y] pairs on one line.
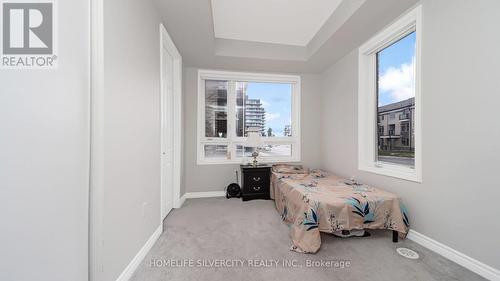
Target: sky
[[277, 101], [397, 71]]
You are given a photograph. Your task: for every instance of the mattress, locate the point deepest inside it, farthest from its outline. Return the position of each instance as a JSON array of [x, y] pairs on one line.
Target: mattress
[[314, 202]]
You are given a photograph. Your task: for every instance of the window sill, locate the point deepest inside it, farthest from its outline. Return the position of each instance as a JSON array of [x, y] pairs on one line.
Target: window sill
[[240, 161], [395, 171]]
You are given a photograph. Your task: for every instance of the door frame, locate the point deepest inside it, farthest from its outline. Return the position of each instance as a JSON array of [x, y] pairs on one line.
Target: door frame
[[96, 149], [166, 41]]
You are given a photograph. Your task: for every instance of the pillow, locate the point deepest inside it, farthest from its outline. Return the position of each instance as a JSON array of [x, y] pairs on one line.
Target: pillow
[[318, 174], [289, 169]]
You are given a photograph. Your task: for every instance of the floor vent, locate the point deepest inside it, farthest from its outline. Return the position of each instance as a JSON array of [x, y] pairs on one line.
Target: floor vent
[[407, 253]]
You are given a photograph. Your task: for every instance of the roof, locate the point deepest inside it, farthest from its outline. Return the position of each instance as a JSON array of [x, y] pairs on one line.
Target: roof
[[397, 105]]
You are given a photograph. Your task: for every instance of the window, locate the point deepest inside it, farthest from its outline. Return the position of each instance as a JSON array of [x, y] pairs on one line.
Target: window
[[392, 130], [405, 127], [216, 108], [389, 84], [232, 103], [381, 130]]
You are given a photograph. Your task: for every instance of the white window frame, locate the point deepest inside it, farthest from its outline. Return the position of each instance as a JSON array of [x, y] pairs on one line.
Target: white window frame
[[367, 98], [232, 140]]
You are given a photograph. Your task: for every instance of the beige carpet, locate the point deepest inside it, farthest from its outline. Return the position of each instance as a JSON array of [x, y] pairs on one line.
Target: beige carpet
[[206, 236]]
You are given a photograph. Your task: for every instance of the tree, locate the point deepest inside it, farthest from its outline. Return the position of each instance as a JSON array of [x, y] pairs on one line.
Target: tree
[[269, 132]]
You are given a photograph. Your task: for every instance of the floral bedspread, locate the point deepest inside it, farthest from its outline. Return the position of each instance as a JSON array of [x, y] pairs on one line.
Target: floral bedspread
[[315, 202]]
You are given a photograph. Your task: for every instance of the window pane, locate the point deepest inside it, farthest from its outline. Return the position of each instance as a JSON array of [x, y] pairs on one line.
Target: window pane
[[216, 109], [276, 150], [215, 151], [396, 102], [242, 151], [267, 106]]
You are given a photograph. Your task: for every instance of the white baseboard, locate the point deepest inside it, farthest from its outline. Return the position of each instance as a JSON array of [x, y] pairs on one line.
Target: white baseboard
[[205, 194], [471, 264], [190, 195], [136, 261], [181, 201]]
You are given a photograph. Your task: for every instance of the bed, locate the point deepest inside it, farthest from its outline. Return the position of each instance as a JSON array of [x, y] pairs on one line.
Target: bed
[[314, 201]]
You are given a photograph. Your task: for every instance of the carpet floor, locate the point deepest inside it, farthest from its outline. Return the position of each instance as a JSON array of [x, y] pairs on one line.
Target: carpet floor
[[220, 239]]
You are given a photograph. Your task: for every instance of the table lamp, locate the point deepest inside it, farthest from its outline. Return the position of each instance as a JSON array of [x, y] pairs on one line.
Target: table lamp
[[254, 140]]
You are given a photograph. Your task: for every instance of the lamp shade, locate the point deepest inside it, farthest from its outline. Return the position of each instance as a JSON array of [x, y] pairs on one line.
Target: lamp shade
[[254, 139]]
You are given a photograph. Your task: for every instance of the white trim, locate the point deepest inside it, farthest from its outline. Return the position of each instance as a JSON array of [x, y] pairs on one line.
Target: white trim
[[181, 201], [367, 103], [139, 257], [471, 264], [231, 140], [167, 42], [247, 76], [207, 194], [248, 160], [96, 236]]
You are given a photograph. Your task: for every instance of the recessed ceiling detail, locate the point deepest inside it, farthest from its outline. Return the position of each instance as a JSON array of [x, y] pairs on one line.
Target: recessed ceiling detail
[[287, 22]]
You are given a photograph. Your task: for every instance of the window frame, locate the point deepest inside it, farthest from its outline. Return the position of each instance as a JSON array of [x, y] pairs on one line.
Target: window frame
[[367, 98], [232, 140]]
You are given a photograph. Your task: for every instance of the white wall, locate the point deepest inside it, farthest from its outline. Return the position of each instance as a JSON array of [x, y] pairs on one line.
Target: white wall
[[456, 203], [44, 160], [131, 131], [201, 178]]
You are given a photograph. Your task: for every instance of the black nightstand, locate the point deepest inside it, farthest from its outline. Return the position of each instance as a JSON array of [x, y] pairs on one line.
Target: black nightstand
[[255, 182]]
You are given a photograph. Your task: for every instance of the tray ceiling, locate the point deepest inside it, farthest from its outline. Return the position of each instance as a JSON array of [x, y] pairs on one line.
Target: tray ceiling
[[287, 22]]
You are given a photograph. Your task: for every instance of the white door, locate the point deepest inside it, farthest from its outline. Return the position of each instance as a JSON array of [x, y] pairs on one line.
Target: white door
[[167, 125]]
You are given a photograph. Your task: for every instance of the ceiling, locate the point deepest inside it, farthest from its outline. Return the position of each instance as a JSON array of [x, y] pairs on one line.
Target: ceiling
[[288, 22], [262, 43]]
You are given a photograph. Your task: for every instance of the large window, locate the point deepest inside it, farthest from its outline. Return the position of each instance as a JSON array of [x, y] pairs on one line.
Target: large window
[[230, 104], [396, 96], [389, 97]]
